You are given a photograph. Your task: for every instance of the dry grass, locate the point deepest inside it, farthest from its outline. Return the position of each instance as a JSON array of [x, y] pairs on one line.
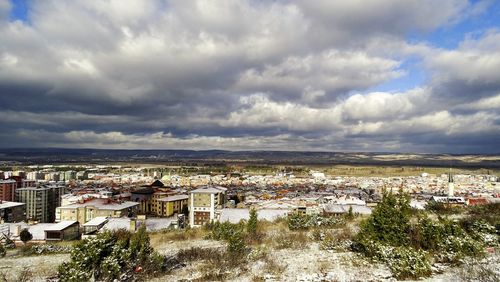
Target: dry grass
[[33, 268], [160, 238], [291, 240]]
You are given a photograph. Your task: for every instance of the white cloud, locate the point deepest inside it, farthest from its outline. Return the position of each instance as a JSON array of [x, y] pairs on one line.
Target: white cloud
[[243, 74]]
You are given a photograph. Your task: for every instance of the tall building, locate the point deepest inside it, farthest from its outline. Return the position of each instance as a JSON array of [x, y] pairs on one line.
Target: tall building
[[451, 186], [41, 202], [8, 190], [205, 204]]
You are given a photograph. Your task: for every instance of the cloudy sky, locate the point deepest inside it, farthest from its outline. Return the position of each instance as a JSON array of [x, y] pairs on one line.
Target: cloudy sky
[[358, 75]]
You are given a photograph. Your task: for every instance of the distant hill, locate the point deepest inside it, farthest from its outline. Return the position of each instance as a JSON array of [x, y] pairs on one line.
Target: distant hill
[[57, 155]]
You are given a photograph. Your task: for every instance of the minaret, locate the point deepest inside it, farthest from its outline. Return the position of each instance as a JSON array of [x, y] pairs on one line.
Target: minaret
[[451, 186]]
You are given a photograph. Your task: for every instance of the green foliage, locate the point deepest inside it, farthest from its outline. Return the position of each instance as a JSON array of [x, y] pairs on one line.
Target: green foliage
[[450, 242], [223, 231], [233, 234], [236, 247], [291, 240], [489, 212], [404, 262], [350, 214], [252, 223], [25, 236], [389, 222], [3, 251], [388, 236], [303, 222], [110, 256]]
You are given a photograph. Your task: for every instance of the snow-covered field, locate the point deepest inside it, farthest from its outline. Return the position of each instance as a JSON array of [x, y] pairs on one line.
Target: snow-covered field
[[310, 264], [33, 268]]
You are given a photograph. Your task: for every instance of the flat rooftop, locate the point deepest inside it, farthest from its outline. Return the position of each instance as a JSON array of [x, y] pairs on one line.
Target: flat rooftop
[[61, 225], [174, 198], [96, 221], [6, 205], [102, 204]]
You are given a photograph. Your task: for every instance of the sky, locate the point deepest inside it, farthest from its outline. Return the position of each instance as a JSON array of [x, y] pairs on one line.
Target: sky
[[418, 76]]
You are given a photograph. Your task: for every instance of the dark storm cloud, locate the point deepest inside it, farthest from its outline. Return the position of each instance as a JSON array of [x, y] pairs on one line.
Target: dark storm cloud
[[244, 75]]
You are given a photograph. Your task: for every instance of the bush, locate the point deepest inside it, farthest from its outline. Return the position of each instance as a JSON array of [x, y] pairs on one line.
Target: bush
[[223, 231], [449, 241], [252, 223], [404, 262], [389, 222], [291, 240], [236, 247], [43, 249], [298, 222], [112, 255], [25, 236], [340, 240]]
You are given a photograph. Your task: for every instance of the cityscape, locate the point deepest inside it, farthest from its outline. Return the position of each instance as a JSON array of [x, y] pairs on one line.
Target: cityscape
[[250, 140]]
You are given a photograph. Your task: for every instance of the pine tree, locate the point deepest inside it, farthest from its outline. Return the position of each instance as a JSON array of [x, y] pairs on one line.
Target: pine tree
[[252, 223], [390, 221]]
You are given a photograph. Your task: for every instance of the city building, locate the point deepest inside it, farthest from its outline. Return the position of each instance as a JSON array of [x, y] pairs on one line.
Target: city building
[[8, 190], [11, 212], [64, 230], [205, 204], [88, 210], [142, 196], [170, 205], [41, 202]]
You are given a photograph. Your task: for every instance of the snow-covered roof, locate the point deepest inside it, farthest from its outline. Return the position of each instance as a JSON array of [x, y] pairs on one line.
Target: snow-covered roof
[[277, 205], [174, 198], [61, 225], [210, 190], [152, 224], [37, 230], [96, 221], [5, 204], [102, 204], [419, 205], [117, 223]]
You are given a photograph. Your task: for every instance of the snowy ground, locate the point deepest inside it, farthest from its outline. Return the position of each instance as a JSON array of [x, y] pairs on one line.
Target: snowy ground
[[310, 264], [34, 268]]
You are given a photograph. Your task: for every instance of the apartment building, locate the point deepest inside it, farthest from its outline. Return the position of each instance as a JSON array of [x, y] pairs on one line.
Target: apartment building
[[87, 210], [11, 211], [8, 190], [205, 204], [170, 205], [41, 202]]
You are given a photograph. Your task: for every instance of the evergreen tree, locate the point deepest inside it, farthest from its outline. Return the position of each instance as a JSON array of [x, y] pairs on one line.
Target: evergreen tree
[[252, 223], [390, 221], [25, 236]]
